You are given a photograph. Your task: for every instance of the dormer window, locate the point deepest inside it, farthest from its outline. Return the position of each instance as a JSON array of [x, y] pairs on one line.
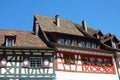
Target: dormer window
[[88, 44], [74, 42], [83, 44], [9, 40], [68, 42], [61, 41], [94, 45]]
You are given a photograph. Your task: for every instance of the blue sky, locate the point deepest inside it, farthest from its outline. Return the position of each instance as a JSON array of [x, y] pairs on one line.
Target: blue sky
[[99, 14]]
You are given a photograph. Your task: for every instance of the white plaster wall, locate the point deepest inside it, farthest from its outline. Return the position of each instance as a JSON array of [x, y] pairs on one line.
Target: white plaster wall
[[84, 76]]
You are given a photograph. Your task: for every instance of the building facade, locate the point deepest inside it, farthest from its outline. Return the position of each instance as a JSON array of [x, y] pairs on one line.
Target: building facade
[[58, 50], [24, 56]]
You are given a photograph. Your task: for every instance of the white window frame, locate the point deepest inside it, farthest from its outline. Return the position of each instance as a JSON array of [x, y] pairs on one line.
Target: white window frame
[[9, 42]]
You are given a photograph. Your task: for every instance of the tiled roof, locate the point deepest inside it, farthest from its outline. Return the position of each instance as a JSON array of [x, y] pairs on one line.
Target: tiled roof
[[48, 24], [23, 39]]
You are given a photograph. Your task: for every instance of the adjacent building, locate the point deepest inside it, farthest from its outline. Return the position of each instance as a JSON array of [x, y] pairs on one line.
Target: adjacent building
[[58, 50]]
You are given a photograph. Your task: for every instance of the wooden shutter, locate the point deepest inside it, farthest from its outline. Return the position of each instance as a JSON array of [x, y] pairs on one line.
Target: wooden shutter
[[26, 61]]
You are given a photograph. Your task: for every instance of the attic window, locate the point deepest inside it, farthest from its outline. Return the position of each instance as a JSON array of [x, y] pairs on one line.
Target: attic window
[[9, 40], [88, 44], [61, 41], [68, 42], [83, 44], [74, 42], [94, 45]]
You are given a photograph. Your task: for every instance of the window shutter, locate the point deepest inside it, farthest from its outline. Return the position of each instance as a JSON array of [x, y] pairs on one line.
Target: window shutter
[[3, 61], [46, 62], [26, 61]]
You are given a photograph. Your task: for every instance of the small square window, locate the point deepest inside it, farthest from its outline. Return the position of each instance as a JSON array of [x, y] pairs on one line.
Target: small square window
[[35, 62], [83, 44], [69, 59], [68, 42], [94, 45], [74, 42], [61, 40], [9, 42], [88, 44], [92, 60]]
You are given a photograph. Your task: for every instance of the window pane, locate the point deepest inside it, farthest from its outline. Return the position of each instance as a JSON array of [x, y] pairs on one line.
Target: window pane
[[68, 41], [82, 43], [61, 41], [94, 45], [92, 60], [32, 62], [35, 62], [10, 42], [38, 62], [88, 44], [74, 42]]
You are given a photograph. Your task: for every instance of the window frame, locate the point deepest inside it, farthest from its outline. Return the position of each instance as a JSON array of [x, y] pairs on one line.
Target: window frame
[[61, 40], [88, 44], [94, 45], [10, 42], [83, 44], [74, 42], [35, 63], [68, 42]]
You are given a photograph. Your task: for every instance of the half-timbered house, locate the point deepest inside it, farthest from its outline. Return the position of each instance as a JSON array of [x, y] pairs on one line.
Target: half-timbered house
[[81, 53], [58, 50], [24, 56]]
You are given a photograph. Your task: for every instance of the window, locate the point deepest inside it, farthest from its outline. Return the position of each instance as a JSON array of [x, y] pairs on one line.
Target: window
[[9, 42], [88, 44], [92, 60], [94, 45], [35, 62], [69, 59], [85, 60], [99, 60], [68, 42], [74, 42], [82, 43], [61, 40]]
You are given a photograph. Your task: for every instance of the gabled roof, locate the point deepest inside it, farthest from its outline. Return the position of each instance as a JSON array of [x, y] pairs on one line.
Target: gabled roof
[[48, 24], [23, 39], [109, 36]]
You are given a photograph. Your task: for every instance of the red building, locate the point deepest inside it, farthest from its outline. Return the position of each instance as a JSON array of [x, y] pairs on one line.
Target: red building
[[80, 50]]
